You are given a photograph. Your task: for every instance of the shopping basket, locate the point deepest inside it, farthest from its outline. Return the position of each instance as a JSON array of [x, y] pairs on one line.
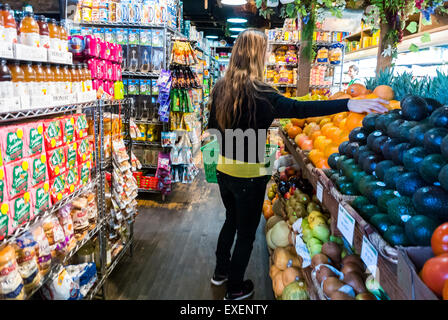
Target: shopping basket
[[210, 155]]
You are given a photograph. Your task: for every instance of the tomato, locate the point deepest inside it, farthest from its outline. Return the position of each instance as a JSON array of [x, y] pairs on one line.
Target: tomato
[[445, 291], [439, 239], [435, 273]]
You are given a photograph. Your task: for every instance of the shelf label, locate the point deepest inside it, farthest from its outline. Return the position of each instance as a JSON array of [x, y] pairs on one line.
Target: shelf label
[[303, 252], [60, 57], [40, 101], [9, 104], [23, 52], [346, 224], [6, 50], [83, 97], [369, 255], [319, 192]]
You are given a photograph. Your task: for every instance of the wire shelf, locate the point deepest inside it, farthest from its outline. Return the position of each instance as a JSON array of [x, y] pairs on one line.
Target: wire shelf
[[141, 74]]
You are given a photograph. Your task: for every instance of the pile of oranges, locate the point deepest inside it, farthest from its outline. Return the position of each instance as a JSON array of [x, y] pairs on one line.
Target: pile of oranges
[[321, 136]]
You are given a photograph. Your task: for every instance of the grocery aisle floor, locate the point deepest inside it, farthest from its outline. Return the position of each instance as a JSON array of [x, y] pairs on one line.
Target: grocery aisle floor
[[174, 247]]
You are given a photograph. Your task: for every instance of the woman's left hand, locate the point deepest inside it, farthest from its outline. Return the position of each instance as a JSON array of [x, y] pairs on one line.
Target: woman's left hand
[[368, 105]]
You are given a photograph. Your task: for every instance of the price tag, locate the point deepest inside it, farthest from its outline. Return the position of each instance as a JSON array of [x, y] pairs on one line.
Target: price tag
[[369, 255], [297, 226], [6, 50], [320, 192], [303, 252], [346, 224]]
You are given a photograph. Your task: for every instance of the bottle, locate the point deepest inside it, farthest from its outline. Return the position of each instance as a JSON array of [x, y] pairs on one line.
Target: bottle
[[81, 77], [67, 80], [30, 79], [63, 37], [40, 79], [18, 79], [88, 78], [9, 23], [55, 42], [44, 33], [49, 79], [6, 86], [29, 31], [2, 27], [27, 8], [59, 87]]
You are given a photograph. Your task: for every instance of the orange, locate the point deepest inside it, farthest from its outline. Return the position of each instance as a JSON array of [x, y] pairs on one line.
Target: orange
[[300, 138], [315, 134], [298, 122], [287, 126], [318, 143], [357, 89], [394, 104], [339, 117], [307, 145], [342, 124], [325, 128], [330, 149], [322, 164], [335, 134], [354, 120], [384, 92], [343, 137], [324, 144], [324, 121], [315, 155], [294, 131]]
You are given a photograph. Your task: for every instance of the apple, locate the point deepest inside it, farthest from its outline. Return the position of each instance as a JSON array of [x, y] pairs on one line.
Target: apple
[[287, 195]]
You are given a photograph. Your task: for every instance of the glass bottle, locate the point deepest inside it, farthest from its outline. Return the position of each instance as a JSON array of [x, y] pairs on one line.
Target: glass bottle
[[44, 33], [55, 42], [18, 79], [9, 23], [6, 86], [2, 27]]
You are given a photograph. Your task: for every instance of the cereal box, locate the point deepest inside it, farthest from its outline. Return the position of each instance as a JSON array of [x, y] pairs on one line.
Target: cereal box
[[68, 129], [11, 143], [84, 151], [20, 210], [17, 178], [72, 155], [34, 138], [40, 198], [56, 162], [58, 188], [81, 126], [53, 134], [72, 180], [84, 173], [38, 170]]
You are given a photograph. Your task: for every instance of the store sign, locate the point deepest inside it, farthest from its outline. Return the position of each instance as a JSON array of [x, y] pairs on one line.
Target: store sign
[[346, 224], [369, 255], [303, 252], [320, 192]]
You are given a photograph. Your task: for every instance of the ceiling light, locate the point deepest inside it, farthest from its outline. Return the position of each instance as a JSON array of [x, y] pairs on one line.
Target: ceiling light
[[234, 2], [234, 36], [237, 20], [211, 37], [237, 29]]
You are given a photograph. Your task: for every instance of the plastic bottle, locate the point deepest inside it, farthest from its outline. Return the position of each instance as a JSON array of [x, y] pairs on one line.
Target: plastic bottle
[[18, 79], [58, 80], [81, 77], [2, 28], [55, 42], [40, 79], [30, 79], [6, 86], [29, 31], [49, 79], [63, 37], [88, 78], [44, 32], [67, 80], [9, 23]]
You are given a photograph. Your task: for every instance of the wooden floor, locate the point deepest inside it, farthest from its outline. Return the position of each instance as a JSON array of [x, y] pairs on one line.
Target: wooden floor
[[174, 249]]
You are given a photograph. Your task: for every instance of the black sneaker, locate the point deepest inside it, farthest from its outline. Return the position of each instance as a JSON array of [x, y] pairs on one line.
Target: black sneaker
[[218, 280], [246, 292]]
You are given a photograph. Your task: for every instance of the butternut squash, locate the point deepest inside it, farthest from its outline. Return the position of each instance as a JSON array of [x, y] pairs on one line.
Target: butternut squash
[[283, 259], [290, 275]]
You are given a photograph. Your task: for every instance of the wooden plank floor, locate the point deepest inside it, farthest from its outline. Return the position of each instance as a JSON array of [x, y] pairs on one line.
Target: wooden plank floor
[[174, 249]]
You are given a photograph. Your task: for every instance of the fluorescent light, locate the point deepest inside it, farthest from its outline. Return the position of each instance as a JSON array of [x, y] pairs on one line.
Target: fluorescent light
[[237, 29], [234, 2], [237, 20], [212, 37], [234, 36]]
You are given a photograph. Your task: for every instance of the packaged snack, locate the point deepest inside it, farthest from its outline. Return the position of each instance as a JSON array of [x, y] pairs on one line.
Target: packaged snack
[[84, 173], [34, 138], [43, 251], [81, 126], [84, 275], [20, 210], [40, 198], [3, 191], [17, 178], [11, 143], [55, 236], [26, 257], [56, 162], [71, 153], [11, 284], [65, 220], [92, 209], [5, 221], [53, 137], [68, 129], [38, 172], [58, 188], [80, 216], [83, 150], [72, 180], [61, 288]]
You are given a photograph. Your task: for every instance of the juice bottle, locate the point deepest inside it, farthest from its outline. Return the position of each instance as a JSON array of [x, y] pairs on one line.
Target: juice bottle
[[55, 42], [82, 77], [59, 80], [18, 79], [30, 79], [6, 86], [63, 37], [44, 32], [2, 28], [40, 79], [79, 76], [88, 78], [29, 31], [67, 80], [75, 82], [49, 79], [9, 23]]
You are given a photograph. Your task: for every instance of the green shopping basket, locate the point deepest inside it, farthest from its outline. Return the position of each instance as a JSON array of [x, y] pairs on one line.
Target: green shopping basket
[[210, 155]]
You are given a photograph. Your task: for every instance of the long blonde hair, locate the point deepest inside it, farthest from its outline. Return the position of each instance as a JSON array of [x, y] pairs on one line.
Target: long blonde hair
[[243, 80]]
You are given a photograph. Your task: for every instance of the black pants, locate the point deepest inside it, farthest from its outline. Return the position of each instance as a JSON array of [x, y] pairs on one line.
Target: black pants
[[243, 200]]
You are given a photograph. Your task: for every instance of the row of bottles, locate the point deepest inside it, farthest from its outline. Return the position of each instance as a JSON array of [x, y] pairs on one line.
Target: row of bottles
[[35, 79], [37, 31]]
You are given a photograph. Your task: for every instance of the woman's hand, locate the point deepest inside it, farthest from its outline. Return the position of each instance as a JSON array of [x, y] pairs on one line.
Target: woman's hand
[[368, 105]]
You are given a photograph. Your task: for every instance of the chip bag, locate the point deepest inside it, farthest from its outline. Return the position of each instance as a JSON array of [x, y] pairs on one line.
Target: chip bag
[[81, 126], [38, 170], [56, 162], [58, 188], [11, 143], [17, 178], [68, 129], [53, 137], [34, 138], [40, 198]]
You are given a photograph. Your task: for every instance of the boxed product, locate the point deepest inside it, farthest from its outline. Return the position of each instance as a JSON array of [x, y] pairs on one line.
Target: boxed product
[[40, 198], [145, 50], [134, 37], [34, 138], [110, 35], [13, 288], [17, 178], [56, 162], [68, 129], [11, 143], [3, 192], [58, 188], [53, 137], [133, 60], [145, 87], [84, 151], [5, 221], [81, 126], [20, 211], [133, 87], [71, 153], [72, 180], [39, 170], [84, 173]]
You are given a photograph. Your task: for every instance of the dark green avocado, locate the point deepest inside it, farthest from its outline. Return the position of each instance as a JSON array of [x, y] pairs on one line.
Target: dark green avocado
[[432, 140], [381, 221], [393, 129], [382, 167], [408, 183], [400, 210], [359, 202], [439, 117], [417, 134], [385, 198], [419, 230], [391, 175], [414, 108], [369, 121], [430, 167], [412, 158], [432, 201], [396, 236]]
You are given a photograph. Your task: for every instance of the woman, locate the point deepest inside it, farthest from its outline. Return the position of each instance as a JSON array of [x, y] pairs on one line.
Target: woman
[[353, 73], [242, 101]]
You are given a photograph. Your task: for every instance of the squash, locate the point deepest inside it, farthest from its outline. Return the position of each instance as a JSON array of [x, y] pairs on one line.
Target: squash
[[279, 234], [295, 291], [273, 271], [290, 275], [268, 240], [272, 222], [283, 259], [277, 284]]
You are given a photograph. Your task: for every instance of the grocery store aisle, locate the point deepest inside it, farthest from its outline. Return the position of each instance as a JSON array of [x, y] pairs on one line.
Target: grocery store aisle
[[174, 249]]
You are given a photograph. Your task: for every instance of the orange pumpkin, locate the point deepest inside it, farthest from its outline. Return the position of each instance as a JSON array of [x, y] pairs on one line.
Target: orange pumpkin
[[354, 120], [294, 131], [356, 90], [384, 92]]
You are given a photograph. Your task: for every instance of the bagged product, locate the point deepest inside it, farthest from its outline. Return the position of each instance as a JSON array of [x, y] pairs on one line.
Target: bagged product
[[65, 220], [3, 191], [20, 210], [58, 188], [92, 209], [84, 152], [40, 198], [5, 221], [61, 288], [68, 129], [84, 275], [38, 171], [43, 250], [11, 143], [34, 138], [26, 257], [81, 126], [72, 180], [17, 178], [55, 236], [56, 162], [53, 134], [84, 173], [11, 284], [72, 155], [80, 217]]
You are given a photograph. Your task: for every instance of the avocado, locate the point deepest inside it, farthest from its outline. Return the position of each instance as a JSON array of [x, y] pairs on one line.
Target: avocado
[[358, 135], [432, 105], [335, 177], [351, 171], [408, 183], [369, 121], [385, 197], [364, 155], [404, 129], [373, 190], [371, 137], [369, 163], [378, 144], [358, 151], [381, 221], [439, 118], [390, 176], [388, 147], [341, 181], [393, 129], [333, 160], [347, 162], [417, 134], [414, 108], [443, 177], [382, 167], [419, 230], [432, 201], [342, 146], [444, 147], [430, 167], [369, 210], [359, 202], [383, 121], [413, 157], [348, 189], [432, 139], [351, 148], [339, 162], [357, 178], [397, 152], [396, 236], [329, 172], [400, 210], [361, 186]]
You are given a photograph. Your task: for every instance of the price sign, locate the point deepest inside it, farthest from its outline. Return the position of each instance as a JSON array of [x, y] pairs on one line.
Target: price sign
[[303, 252], [346, 224], [320, 192], [369, 255]]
